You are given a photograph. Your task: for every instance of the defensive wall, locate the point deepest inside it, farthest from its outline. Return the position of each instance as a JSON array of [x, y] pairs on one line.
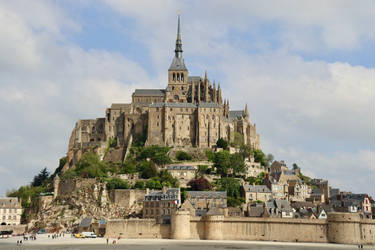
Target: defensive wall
[[17, 229], [342, 228]]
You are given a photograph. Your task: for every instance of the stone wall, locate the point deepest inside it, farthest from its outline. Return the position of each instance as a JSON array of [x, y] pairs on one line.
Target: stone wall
[[342, 228], [17, 229], [137, 229], [128, 198]]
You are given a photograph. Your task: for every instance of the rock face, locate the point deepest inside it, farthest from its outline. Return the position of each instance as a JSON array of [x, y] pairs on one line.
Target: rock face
[[81, 198]]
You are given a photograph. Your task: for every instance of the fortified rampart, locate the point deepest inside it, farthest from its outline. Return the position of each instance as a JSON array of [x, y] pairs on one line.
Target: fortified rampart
[[342, 228]]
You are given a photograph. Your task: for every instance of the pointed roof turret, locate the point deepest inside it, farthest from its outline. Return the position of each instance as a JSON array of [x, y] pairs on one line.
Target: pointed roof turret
[[178, 62], [246, 111]]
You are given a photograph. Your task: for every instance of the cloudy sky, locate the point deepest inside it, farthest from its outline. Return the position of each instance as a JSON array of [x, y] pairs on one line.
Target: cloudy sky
[[305, 68]]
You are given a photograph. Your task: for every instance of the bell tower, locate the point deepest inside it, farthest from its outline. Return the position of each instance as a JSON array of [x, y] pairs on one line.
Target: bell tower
[[177, 73]]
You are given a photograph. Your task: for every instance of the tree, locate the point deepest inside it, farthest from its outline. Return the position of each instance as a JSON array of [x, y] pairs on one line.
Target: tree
[[147, 169], [222, 162], [90, 166], [139, 185], [237, 164], [238, 140], [210, 155], [221, 143], [260, 157], [246, 151], [166, 179], [269, 159], [295, 166], [203, 169], [157, 154], [200, 184], [183, 156], [117, 183], [40, 178], [232, 186]]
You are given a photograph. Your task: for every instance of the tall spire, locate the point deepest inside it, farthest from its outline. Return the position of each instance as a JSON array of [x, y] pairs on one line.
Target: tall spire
[[178, 50]]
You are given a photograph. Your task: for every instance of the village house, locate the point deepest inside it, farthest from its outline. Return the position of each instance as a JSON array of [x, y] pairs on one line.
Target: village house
[[279, 191], [159, 204], [278, 208], [298, 190], [182, 173], [10, 211], [253, 169], [202, 201], [253, 193]]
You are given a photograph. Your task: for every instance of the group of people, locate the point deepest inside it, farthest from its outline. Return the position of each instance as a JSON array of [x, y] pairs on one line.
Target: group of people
[[25, 238], [56, 235], [114, 241]]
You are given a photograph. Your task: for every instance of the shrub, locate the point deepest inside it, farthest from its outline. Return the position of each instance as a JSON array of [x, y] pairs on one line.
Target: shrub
[[147, 169], [117, 183], [157, 154], [210, 155], [221, 143], [139, 185], [90, 166], [183, 156]]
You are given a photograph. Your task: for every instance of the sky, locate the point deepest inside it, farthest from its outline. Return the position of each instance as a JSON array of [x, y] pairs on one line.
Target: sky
[[305, 68]]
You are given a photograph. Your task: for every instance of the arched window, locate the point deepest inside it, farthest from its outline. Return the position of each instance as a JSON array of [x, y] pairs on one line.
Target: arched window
[[182, 76], [178, 76], [174, 77]]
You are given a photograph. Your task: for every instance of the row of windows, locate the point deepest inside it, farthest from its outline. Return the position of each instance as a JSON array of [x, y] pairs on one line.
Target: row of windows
[[10, 210], [178, 76], [156, 204], [10, 217], [163, 211]]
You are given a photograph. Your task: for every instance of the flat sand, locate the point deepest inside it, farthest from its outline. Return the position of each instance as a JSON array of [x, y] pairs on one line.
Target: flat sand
[[68, 243]]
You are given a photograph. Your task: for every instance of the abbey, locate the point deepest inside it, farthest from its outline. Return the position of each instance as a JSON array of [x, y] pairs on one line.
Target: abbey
[[189, 112]]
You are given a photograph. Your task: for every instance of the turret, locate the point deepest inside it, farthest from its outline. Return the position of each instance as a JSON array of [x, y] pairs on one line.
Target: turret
[[206, 87], [214, 98], [219, 97], [246, 112]]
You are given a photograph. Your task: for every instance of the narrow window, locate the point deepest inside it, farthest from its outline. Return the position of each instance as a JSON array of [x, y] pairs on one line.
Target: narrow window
[[178, 76], [174, 77], [182, 76]]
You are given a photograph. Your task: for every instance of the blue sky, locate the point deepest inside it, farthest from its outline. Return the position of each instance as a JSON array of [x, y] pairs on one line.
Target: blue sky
[[306, 70]]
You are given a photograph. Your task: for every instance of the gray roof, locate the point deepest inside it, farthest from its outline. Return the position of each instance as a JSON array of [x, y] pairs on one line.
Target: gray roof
[[120, 105], [194, 78], [256, 188], [207, 194], [283, 205], [85, 222], [182, 167], [171, 194], [177, 64], [255, 211], [173, 105], [214, 211], [236, 113], [208, 105], [149, 92]]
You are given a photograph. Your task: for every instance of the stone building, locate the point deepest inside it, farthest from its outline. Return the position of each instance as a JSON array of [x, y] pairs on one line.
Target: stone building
[[189, 112], [160, 204], [253, 193], [202, 201], [10, 211], [253, 169], [183, 173]]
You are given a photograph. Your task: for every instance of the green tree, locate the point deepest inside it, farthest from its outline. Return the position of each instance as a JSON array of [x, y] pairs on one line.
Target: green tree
[[246, 151], [40, 178], [147, 169], [58, 170], [166, 179], [153, 183], [90, 166], [221, 143], [237, 164], [183, 156], [210, 155], [269, 159], [157, 154], [260, 157], [295, 166], [222, 162], [139, 185], [117, 183], [232, 186], [238, 140]]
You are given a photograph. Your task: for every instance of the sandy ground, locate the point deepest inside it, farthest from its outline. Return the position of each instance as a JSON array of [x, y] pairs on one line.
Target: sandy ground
[[69, 243]]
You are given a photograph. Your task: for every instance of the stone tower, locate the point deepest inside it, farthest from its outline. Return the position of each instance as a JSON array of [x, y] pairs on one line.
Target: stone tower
[[178, 73]]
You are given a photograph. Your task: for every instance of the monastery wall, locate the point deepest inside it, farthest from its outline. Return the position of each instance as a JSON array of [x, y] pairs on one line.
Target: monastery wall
[[342, 228]]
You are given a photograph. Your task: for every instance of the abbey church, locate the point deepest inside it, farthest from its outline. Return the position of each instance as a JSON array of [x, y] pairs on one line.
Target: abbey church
[[189, 112]]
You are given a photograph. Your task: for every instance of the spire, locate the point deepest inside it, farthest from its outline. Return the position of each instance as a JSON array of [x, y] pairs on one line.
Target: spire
[[205, 75], [178, 50], [246, 111]]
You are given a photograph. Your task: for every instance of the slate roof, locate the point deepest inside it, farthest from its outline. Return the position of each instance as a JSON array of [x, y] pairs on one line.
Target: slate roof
[[178, 63], [149, 92], [256, 188], [194, 78], [208, 105], [182, 167], [255, 211], [120, 105], [171, 194], [173, 105], [214, 211], [85, 222], [236, 113], [207, 194]]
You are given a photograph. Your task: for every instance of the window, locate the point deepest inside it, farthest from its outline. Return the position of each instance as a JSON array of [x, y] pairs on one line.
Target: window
[[174, 77], [182, 87], [182, 76]]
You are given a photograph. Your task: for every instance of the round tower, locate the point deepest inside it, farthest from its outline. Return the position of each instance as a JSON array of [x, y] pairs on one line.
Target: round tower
[[213, 226], [344, 228], [180, 225]]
